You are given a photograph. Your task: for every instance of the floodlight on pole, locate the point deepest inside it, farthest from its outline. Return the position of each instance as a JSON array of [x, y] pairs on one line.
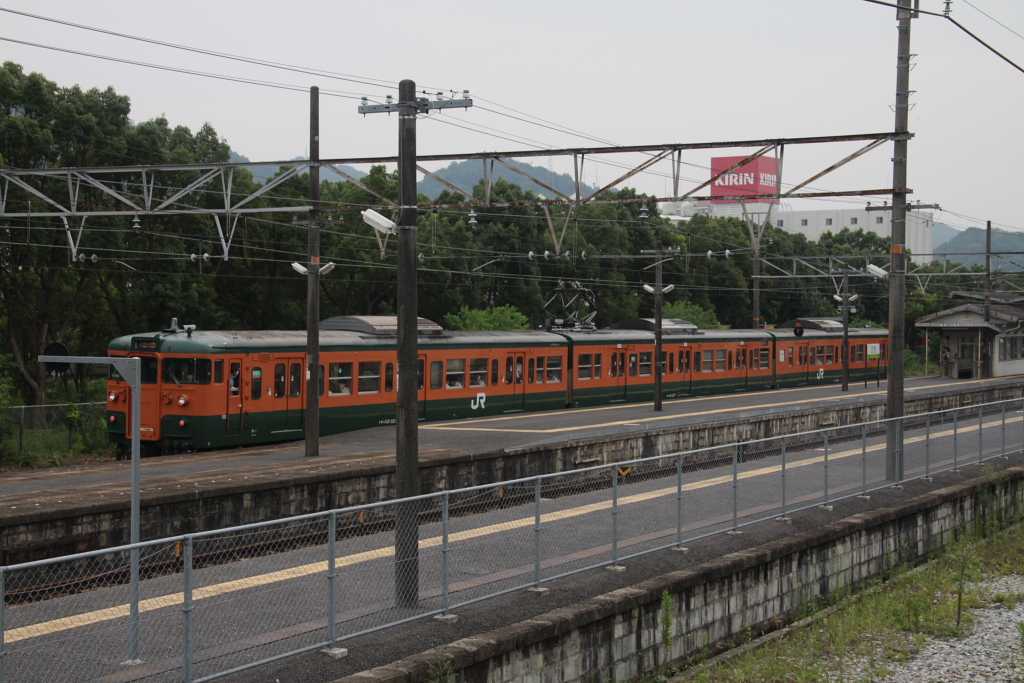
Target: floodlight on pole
[[299, 268], [327, 267], [381, 224], [880, 273], [648, 288]]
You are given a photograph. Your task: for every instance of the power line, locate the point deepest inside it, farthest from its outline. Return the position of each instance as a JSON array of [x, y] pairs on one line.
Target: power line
[[1008, 28]]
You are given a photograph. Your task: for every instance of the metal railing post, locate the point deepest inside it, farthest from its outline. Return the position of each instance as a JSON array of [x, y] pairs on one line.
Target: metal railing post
[[444, 553], [1002, 448], [536, 532], [783, 473], [981, 428], [133, 621], [863, 459], [615, 515], [186, 608], [735, 486], [332, 573], [825, 436], [956, 439], [927, 445], [679, 501]]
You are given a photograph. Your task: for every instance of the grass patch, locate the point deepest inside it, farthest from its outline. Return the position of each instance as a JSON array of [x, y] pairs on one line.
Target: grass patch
[[54, 437], [861, 640]]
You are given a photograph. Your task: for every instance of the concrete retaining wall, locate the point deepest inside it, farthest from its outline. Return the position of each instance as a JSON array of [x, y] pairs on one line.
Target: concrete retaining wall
[[688, 614], [38, 533]]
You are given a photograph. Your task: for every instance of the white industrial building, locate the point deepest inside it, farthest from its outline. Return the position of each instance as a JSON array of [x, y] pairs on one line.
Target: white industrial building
[[813, 224]]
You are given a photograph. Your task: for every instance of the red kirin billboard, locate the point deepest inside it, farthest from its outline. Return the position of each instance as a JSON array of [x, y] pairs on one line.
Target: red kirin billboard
[[760, 176]]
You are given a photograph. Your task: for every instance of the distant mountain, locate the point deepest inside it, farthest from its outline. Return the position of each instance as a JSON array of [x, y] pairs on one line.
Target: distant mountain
[[264, 173], [942, 233], [968, 247], [466, 174]]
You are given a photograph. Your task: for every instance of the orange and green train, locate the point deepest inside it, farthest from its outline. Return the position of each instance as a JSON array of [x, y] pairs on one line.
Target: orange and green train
[[213, 389]]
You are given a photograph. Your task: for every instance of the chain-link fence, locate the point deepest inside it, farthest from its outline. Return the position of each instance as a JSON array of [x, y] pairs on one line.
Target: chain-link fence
[[212, 603], [49, 434]]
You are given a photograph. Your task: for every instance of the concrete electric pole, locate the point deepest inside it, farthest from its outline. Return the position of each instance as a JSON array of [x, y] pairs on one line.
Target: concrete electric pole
[[407, 475], [659, 291], [897, 258], [311, 424]]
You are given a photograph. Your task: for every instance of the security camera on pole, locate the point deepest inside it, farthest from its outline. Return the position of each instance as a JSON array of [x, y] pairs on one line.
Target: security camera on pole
[[407, 443]]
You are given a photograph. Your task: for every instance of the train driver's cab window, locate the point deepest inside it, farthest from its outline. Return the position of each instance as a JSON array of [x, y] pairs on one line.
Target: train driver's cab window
[[295, 380], [436, 374], [554, 373], [187, 371], [478, 372], [257, 384], [279, 380], [148, 370], [340, 379], [455, 374], [235, 379], [369, 377]]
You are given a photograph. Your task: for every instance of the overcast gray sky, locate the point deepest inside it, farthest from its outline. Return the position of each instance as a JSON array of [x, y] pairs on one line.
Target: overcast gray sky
[[639, 72]]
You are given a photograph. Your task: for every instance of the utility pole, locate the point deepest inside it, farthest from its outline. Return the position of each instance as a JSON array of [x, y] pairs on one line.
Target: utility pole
[[311, 424], [988, 270], [659, 291], [897, 256], [407, 475], [846, 300]]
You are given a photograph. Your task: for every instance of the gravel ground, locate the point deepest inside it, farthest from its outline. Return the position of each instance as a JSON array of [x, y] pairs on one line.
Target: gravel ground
[[992, 652]]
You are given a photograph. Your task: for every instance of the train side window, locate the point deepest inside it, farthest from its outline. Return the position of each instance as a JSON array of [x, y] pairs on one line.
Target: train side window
[[295, 380], [644, 362], [320, 381], [803, 355], [789, 355], [478, 372], [696, 361], [419, 374], [235, 379], [671, 362], [614, 372], [519, 369], [720, 359], [494, 372], [884, 348], [455, 374], [585, 366], [766, 358], [436, 374], [369, 377], [508, 370], [540, 370], [597, 366], [279, 380], [709, 361], [554, 375], [389, 377], [204, 371], [218, 372], [741, 359], [729, 358], [634, 366], [257, 384], [339, 379], [529, 372]]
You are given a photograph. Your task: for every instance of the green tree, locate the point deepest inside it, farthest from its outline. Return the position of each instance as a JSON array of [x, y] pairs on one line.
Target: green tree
[[497, 318], [702, 317]]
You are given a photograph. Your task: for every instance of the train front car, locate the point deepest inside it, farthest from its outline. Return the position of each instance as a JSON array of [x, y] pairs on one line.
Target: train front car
[[180, 372]]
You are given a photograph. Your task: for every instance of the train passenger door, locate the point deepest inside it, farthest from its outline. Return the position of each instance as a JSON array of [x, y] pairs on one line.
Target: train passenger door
[[295, 399], [233, 397], [617, 373], [515, 379]]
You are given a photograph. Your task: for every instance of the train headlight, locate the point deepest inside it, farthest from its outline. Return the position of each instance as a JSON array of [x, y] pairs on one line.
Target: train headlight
[[182, 401], [181, 423], [112, 419], [111, 397]]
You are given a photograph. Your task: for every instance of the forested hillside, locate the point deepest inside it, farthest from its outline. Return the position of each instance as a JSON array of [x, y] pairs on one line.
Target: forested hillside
[[144, 275]]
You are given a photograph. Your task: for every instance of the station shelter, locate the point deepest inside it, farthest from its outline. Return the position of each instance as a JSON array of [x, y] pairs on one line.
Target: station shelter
[[979, 339]]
